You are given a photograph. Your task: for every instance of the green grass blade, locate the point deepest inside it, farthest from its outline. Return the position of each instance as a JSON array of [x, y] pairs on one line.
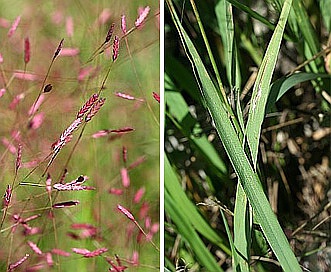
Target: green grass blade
[[224, 16], [238, 158], [178, 109], [187, 209], [242, 229], [189, 234], [325, 7], [281, 86], [261, 87]]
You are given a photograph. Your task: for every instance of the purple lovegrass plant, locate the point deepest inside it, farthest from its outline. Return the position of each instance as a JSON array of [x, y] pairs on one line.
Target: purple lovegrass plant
[[41, 105]]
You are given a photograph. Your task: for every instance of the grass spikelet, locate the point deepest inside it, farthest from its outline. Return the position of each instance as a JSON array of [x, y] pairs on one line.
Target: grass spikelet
[[142, 17], [65, 204], [116, 46], [58, 49], [95, 109], [123, 24], [27, 50], [35, 248], [14, 26], [87, 106], [13, 266], [109, 33]]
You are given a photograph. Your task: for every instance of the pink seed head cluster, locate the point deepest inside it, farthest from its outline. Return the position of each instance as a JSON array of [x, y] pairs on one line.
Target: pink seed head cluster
[[89, 254], [58, 49], [116, 46], [12, 266], [95, 109], [14, 26], [7, 196], [74, 185], [110, 33], [123, 24], [27, 51], [142, 17]]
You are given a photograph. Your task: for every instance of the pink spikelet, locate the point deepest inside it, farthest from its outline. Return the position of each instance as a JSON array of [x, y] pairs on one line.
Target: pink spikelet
[[104, 16], [128, 97], [60, 252], [58, 49], [35, 248], [65, 204], [13, 104], [135, 258], [125, 177], [12, 266], [126, 212], [122, 130], [94, 109], [48, 88], [49, 259], [27, 51], [142, 17], [116, 268], [156, 97], [124, 154], [89, 254], [25, 76], [37, 121], [70, 27], [18, 157], [88, 104], [64, 138], [125, 96], [66, 135], [12, 149], [7, 196], [138, 195], [110, 33], [49, 184], [37, 105], [123, 24], [1, 58], [115, 191], [116, 47], [2, 92], [14, 26], [69, 52], [74, 185]]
